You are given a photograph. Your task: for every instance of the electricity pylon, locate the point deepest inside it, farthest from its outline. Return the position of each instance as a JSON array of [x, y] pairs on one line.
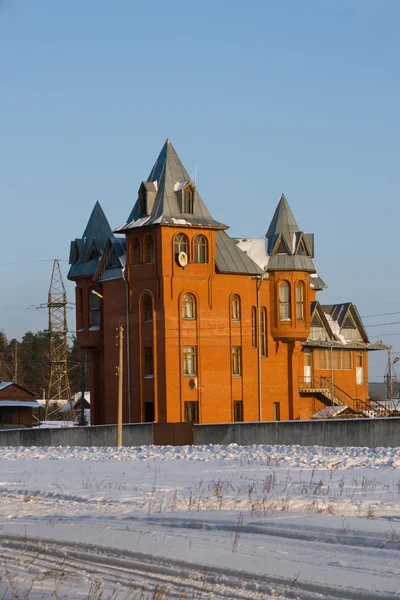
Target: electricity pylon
[[58, 348]]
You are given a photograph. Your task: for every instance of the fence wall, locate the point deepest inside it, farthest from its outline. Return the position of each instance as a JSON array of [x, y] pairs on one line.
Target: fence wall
[[139, 434], [346, 432]]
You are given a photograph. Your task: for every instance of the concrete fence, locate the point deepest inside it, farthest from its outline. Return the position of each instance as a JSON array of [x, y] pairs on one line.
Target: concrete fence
[[345, 432]]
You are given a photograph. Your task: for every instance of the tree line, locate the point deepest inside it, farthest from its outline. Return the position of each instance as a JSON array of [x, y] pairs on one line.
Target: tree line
[[26, 362]]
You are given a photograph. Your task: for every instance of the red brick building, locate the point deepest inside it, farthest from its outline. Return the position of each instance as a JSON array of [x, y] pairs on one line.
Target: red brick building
[[216, 329]]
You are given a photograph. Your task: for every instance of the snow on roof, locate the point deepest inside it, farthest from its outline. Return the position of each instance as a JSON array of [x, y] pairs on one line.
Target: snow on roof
[[180, 185], [329, 412], [78, 395], [256, 249], [180, 221], [4, 384], [19, 403], [335, 327]]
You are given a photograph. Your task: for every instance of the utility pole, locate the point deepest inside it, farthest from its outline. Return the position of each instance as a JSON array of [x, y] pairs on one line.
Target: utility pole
[[59, 388], [83, 386], [15, 362], [390, 375]]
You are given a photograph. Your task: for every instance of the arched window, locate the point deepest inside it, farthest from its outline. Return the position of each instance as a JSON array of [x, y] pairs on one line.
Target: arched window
[[149, 249], [263, 331], [200, 249], [187, 200], [284, 301], [235, 308], [136, 251], [94, 303], [254, 326], [147, 308], [181, 244], [188, 307], [300, 301]]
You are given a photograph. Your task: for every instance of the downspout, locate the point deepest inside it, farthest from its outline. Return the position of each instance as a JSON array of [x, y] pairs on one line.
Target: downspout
[[128, 343], [258, 283]]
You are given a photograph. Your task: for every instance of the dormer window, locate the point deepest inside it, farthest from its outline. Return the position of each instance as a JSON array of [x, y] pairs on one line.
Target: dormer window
[[142, 201], [147, 195], [187, 200]]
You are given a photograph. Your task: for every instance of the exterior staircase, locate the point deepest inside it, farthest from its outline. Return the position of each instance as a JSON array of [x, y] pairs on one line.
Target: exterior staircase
[[332, 395]]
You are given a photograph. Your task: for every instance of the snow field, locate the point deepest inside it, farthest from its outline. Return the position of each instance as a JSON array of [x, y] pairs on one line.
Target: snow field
[[200, 522]]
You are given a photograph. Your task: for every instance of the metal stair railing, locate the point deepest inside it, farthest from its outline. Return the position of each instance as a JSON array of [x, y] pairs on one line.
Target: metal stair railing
[[324, 386]]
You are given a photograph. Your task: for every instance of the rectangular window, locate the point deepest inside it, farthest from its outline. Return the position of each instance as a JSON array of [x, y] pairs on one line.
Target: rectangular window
[[237, 361], [79, 301], [238, 410], [149, 412], [277, 411], [191, 412], [94, 310], [148, 361], [189, 360], [342, 359]]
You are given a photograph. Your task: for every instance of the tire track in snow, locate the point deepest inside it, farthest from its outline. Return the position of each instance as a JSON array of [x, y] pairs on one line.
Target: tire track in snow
[[133, 569]]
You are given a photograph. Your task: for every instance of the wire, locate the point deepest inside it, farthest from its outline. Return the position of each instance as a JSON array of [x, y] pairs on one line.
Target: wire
[[30, 262], [383, 324], [380, 315]]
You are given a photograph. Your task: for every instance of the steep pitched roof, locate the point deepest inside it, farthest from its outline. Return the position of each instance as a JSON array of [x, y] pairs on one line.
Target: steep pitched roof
[[283, 222], [285, 247], [95, 237], [283, 232], [231, 259], [170, 177], [337, 315]]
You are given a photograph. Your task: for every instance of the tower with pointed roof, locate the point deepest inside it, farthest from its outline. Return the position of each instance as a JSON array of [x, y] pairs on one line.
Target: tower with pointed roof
[[216, 329]]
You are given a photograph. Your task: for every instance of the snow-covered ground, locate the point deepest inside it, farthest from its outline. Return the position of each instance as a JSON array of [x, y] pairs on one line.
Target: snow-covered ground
[[260, 522]]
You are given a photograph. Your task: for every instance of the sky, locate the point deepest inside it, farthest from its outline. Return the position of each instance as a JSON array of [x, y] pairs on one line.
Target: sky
[[262, 97]]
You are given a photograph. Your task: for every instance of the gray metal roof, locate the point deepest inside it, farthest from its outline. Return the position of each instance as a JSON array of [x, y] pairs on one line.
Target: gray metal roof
[[167, 173], [339, 312], [300, 246], [112, 261], [96, 235], [283, 222], [288, 262], [317, 283], [231, 259]]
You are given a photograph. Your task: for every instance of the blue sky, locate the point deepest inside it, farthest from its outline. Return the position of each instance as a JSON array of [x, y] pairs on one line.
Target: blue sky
[[264, 97]]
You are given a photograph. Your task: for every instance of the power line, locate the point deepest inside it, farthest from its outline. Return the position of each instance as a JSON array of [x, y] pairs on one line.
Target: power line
[[29, 262], [383, 324], [380, 315]]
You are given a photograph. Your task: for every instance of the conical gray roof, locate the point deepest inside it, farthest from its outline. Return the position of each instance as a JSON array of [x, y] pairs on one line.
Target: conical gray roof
[[283, 222], [169, 175], [98, 227], [95, 237], [288, 248]]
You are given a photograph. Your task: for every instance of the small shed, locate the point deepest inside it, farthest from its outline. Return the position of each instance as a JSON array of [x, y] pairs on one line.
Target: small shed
[[16, 405]]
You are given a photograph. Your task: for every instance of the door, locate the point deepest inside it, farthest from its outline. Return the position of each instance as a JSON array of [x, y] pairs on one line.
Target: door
[[359, 369], [307, 366]]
